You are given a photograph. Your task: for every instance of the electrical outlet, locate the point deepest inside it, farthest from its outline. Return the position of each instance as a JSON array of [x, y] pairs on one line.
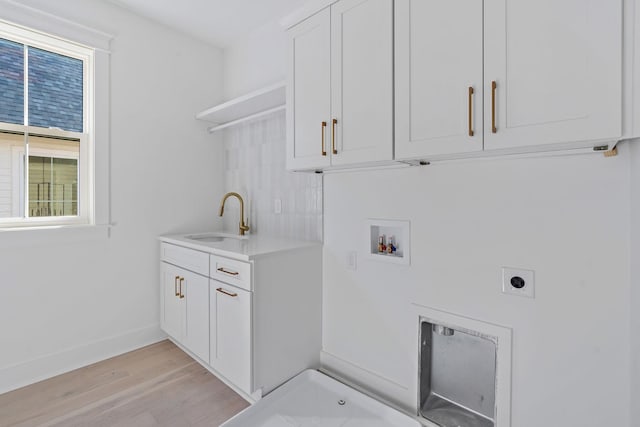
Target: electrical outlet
[[352, 260], [277, 206], [518, 281]]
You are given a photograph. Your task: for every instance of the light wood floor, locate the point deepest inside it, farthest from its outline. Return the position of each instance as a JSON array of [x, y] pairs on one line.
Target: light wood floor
[[158, 385]]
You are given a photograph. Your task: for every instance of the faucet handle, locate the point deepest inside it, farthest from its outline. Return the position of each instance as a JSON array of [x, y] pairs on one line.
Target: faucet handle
[[244, 226]]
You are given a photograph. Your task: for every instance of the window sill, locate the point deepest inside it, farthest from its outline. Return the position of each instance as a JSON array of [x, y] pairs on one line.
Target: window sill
[[11, 238]]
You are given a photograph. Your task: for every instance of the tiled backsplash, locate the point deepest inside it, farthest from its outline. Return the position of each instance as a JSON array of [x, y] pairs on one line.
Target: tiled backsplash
[[255, 167]]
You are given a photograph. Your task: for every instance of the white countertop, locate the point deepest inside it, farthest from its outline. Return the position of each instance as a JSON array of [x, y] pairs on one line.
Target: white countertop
[[242, 249]]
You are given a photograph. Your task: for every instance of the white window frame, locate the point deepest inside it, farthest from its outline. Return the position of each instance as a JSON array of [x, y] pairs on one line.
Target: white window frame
[[86, 161]]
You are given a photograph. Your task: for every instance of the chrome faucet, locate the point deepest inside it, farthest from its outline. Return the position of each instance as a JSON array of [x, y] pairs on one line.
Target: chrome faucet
[[243, 227]]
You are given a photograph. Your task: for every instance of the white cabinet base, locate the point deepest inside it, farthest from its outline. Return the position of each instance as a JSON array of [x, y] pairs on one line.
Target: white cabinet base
[[184, 307], [254, 324]]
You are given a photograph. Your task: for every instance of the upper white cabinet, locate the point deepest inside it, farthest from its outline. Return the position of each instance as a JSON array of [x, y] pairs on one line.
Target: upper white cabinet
[[552, 74], [340, 86], [438, 60], [631, 70], [362, 81], [309, 92], [557, 68]]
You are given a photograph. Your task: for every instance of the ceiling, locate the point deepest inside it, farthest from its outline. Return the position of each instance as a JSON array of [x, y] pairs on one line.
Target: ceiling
[[218, 22]]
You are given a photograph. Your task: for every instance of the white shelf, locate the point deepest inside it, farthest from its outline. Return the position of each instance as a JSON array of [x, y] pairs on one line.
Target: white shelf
[[247, 107]]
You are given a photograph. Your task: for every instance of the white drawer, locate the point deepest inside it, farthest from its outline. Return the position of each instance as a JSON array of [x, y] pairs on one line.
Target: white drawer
[[230, 271], [189, 259]]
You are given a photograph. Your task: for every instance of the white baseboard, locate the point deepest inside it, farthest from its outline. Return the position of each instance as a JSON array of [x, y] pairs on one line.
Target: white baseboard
[[381, 388], [34, 370]]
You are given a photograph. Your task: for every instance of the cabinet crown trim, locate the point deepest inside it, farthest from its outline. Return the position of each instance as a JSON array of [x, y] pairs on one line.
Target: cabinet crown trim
[[304, 12]]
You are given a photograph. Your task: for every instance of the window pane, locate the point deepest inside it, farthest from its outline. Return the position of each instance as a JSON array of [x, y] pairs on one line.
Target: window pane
[[55, 90], [11, 175], [11, 82], [53, 177]]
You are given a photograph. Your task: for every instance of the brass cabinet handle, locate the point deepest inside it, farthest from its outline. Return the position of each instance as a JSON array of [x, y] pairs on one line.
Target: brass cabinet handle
[[333, 136], [175, 286], [494, 87], [471, 133], [181, 282], [231, 294], [324, 126], [232, 273]]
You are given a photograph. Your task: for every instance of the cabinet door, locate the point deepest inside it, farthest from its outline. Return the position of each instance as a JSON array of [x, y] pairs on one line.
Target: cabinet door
[[171, 306], [231, 333], [438, 63], [362, 80], [309, 93], [196, 314], [557, 70]]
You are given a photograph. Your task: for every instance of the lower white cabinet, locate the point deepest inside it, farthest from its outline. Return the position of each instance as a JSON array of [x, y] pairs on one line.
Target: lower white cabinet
[[255, 322], [185, 308], [170, 302], [230, 323]]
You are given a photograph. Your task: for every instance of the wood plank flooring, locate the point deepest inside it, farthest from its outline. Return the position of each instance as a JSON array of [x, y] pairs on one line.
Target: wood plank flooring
[[158, 385]]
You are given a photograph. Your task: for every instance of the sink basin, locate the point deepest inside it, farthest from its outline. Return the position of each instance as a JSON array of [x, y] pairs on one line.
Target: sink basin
[[206, 238], [214, 237]]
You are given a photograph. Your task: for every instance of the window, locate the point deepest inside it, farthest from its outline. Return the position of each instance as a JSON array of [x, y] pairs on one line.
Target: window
[[46, 140]]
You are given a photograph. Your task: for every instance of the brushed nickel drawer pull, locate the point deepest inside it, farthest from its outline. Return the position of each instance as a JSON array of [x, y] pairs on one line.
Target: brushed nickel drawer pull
[[231, 294], [175, 286], [181, 282], [232, 273]]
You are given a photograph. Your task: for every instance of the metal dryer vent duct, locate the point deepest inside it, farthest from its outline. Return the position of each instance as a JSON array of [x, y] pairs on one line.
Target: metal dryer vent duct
[[442, 330]]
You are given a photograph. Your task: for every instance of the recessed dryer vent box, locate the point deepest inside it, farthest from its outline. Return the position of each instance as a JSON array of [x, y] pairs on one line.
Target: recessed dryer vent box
[[396, 233], [457, 376]]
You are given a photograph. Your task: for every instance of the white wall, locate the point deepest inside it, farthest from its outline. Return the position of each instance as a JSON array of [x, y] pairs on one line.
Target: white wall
[[566, 218], [69, 301], [255, 61], [635, 279]]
